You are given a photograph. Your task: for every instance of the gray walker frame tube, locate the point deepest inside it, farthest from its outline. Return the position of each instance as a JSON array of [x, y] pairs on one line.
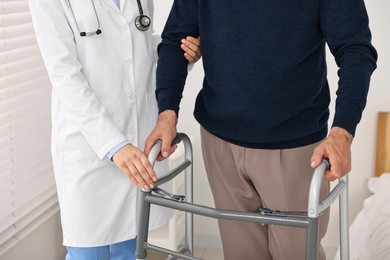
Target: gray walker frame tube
[[309, 221]]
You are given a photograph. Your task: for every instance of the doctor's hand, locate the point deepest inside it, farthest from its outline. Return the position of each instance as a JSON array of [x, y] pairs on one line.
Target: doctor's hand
[[191, 48], [165, 130], [136, 166], [336, 147]]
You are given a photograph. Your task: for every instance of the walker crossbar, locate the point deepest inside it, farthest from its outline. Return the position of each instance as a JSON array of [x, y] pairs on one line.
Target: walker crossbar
[[309, 221], [296, 221]]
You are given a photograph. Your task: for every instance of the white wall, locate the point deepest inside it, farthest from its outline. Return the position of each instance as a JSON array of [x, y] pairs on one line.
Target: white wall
[[363, 150]]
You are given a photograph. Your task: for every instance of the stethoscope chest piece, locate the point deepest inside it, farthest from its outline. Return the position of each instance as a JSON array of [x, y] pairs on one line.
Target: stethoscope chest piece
[[142, 22]]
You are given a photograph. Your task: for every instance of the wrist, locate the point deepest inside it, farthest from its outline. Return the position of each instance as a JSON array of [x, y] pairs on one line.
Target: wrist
[[115, 149], [338, 131], [168, 116]]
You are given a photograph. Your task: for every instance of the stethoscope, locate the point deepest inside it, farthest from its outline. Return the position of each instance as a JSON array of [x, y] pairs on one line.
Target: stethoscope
[[142, 22]]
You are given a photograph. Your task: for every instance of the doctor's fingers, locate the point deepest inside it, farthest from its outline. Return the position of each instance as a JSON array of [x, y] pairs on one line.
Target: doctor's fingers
[[141, 184], [142, 174], [192, 43], [191, 56], [192, 51], [134, 163], [131, 177]]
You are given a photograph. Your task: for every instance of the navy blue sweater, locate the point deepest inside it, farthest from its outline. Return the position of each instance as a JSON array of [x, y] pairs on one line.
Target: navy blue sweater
[[265, 82]]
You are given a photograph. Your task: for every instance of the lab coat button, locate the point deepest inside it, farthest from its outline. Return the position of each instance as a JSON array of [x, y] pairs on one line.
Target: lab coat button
[[132, 96], [128, 61], [131, 131]]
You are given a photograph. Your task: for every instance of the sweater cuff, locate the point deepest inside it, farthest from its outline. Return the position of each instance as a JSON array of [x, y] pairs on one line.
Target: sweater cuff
[[168, 104], [346, 124]]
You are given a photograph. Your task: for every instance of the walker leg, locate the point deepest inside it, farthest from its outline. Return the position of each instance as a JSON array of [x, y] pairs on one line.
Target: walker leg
[[142, 225], [344, 233], [188, 179], [312, 239]]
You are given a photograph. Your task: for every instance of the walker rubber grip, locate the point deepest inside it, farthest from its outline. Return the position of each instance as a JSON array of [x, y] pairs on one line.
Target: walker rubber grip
[[326, 160], [177, 138]]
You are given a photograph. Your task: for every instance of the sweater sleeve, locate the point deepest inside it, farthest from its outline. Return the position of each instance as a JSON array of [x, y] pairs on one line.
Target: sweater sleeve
[[344, 24], [172, 68]]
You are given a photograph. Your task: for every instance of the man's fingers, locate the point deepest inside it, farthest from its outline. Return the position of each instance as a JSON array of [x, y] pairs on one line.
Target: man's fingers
[[332, 174], [317, 156], [173, 148], [165, 131], [166, 146], [149, 143]]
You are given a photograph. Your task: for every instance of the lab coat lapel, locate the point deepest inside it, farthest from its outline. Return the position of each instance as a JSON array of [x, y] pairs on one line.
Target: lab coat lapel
[[113, 5], [122, 4]]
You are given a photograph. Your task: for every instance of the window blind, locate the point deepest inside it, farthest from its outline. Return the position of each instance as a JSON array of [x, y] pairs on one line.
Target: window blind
[[27, 188]]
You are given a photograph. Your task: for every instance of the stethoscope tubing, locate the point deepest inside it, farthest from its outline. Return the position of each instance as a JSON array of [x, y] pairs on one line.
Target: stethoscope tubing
[[142, 22]]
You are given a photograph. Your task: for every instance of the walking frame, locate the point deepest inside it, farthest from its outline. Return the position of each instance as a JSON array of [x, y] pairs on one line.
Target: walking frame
[[308, 220]]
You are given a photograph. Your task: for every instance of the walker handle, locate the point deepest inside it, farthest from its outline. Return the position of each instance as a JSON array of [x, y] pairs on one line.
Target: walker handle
[[178, 138], [156, 149], [315, 206]]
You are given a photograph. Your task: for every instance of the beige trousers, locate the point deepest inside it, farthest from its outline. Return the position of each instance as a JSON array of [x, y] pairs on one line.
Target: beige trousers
[[246, 179]]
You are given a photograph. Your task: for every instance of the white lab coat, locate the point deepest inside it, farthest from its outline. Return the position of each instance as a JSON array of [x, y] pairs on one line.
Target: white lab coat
[[103, 94]]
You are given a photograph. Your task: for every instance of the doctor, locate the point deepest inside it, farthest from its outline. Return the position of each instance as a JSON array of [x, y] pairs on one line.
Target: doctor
[[100, 56]]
